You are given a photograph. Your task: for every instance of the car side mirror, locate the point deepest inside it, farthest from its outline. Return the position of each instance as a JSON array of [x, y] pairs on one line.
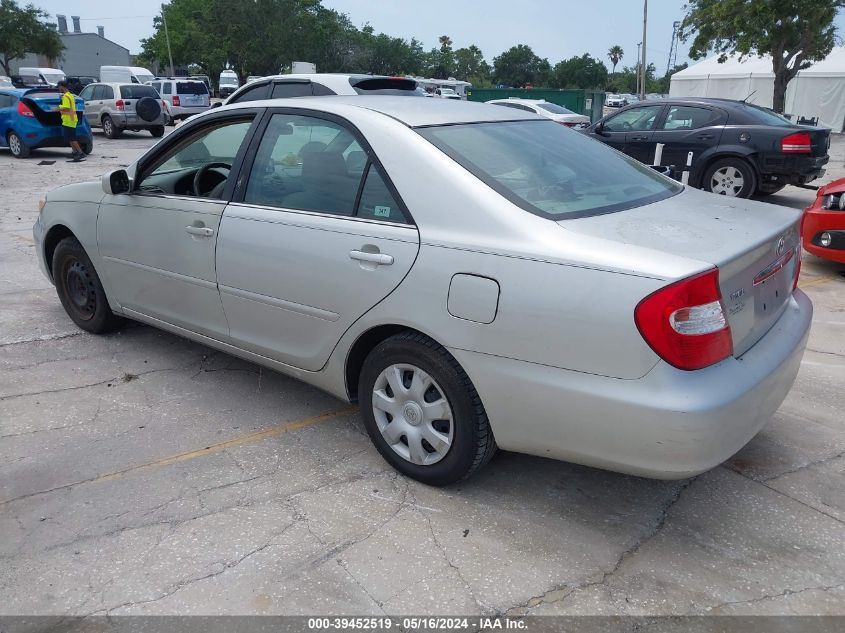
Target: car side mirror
[[216, 104], [599, 129], [116, 182]]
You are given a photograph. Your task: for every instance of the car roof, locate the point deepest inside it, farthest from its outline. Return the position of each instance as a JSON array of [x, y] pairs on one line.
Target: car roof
[[410, 111], [517, 100]]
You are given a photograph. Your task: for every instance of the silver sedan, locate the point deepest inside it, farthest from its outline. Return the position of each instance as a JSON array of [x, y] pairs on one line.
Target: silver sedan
[[474, 276]]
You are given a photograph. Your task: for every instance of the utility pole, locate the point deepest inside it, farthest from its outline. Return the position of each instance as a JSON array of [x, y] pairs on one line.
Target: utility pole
[[639, 59], [167, 38], [644, 64]]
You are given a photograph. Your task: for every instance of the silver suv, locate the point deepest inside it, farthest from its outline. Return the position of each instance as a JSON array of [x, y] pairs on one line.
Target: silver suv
[[185, 97], [116, 107]]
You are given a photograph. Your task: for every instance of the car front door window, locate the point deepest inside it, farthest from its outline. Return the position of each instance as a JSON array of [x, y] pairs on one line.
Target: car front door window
[[199, 166], [635, 119]]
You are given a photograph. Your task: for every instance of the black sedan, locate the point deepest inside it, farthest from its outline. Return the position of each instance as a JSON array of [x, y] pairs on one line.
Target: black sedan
[[727, 147]]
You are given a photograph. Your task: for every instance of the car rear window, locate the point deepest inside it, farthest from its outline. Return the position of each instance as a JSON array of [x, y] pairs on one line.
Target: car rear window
[[43, 94], [191, 88], [554, 108], [764, 115], [385, 86], [550, 170], [135, 91]]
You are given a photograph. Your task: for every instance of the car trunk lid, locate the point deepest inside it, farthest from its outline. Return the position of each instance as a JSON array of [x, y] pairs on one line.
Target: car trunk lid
[[45, 107], [755, 246]]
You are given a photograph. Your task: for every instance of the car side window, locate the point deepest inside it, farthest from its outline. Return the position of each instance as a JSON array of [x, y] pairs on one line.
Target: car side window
[[320, 90], [635, 119], [174, 170], [87, 93], [107, 93], [377, 202], [253, 93], [308, 164], [689, 118], [167, 87], [97, 94], [287, 89]]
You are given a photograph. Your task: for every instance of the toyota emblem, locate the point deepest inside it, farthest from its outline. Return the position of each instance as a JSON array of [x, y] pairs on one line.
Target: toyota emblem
[[781, 246]]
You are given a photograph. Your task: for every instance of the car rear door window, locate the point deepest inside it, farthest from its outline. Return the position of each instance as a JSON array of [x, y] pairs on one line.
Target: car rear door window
[[107, 93], [689, 118], [301, 163], [287, 89], [635, 119], [377, 202], [320, 90], [168, 88]]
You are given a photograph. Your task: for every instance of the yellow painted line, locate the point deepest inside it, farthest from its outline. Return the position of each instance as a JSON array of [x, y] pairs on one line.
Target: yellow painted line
[[275, 431], [817, 281]]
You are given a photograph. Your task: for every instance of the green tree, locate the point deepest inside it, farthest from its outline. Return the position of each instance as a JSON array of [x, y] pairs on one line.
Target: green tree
[[519, 66], [615, 54], [470, 66], [441, 61], [580, 72], [794, 32], [22, 31]]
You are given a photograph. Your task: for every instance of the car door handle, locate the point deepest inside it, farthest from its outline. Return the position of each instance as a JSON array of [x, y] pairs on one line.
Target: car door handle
[[639, 138], [704, 137], [202, 231], [372, 258]]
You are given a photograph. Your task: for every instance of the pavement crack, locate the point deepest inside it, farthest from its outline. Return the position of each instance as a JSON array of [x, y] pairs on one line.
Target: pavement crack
[[782, 594], [562, 592], [817, 462], [39, 339]]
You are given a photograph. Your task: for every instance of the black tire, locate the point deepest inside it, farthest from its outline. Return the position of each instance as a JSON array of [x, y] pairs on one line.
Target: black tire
[[157, 131], [87, 146], [148, 109], [109, 128], [730, 165], [472, 443], [17, 147], [80, 290]]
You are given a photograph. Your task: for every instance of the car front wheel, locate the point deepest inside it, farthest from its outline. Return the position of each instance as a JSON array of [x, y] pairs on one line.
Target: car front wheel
[[422, 412], [732, 177], [17, 147], [80, 290]]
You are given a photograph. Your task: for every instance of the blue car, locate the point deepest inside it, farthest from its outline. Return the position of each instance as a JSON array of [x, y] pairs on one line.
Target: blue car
[[30, 119]]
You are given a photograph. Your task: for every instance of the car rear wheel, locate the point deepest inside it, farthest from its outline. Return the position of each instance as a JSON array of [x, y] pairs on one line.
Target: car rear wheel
[[109, 128], [17, 147], [422, 412], [732, 177], [157, 131], [80, 290]]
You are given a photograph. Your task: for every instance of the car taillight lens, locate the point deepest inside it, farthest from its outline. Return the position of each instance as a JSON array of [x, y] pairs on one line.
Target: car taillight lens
[[176, 101], [25, 110], [799, 252], [799, 143], [685, 323], [119, 104]]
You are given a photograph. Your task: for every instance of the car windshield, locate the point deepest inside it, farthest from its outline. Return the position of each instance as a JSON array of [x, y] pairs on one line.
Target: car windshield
[[133, 91], [554, 108], [764, 115], [228, 80], [191, 88], [53, 78], [550, 170]]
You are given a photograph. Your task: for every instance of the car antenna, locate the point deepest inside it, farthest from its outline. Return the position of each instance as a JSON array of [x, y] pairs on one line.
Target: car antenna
[[753, 92]]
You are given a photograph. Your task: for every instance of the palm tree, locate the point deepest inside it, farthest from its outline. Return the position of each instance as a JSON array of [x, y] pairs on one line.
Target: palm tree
[[615, 54]]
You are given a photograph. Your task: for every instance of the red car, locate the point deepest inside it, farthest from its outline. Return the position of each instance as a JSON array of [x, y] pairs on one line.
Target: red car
[[823, 229]]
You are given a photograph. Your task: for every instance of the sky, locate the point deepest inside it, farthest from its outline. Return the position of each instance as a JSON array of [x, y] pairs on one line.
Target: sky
[[555, 29]]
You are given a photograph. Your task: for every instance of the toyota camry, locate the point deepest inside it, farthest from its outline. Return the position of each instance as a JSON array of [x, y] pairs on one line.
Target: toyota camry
[[473, 276]]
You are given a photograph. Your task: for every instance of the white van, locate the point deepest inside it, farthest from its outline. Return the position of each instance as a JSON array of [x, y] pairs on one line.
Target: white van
[[49, 76], [228, 83], [184, 96], [125, 74]]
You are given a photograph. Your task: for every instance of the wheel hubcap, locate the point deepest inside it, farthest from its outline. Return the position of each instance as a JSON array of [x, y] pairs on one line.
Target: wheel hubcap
[[412, 414], [727, 181], [14, 144], [80, 289]]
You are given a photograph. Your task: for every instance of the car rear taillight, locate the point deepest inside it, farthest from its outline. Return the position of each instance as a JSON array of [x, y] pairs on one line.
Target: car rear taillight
[[685, 323], [119, 104], [799, 252], [798, 143], [25, 110], [176, 101]]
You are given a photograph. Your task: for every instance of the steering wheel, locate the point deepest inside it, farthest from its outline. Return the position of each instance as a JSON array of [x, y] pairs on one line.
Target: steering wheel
[[201, 173]]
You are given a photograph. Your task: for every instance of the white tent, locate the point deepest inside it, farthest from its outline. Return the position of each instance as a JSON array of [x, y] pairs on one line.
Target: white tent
[[818, 91]]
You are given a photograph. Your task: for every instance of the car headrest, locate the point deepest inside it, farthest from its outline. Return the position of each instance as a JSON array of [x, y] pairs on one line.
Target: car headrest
[[320, 168]]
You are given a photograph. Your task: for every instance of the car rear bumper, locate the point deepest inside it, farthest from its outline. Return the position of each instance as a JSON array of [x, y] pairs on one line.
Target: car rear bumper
[[792, 170], [178, 112], [670, 424], [134, 122]]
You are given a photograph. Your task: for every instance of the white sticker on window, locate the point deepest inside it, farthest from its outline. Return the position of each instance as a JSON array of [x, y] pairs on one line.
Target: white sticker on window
[[382, 212]]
